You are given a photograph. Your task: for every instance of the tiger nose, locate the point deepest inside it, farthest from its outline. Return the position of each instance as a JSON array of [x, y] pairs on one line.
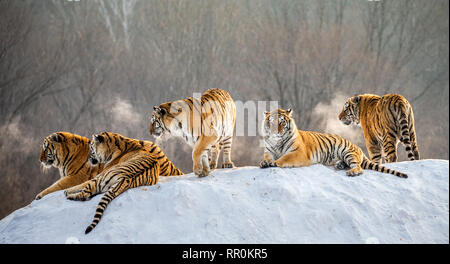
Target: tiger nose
[[274, 128]]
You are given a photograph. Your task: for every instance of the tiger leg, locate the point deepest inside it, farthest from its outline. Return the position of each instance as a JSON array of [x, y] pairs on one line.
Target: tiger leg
[[390, 148], [353, 161], [84, 191], [76, 188], [226, 155], [200, 155], [213, 156], [61, 184], [374, 150], [292, 159]]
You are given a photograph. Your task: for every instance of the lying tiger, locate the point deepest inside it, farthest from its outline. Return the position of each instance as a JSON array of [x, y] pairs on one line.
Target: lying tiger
[[385, 121], [68, 153], [286, 146], [128, 164], [205, 123]]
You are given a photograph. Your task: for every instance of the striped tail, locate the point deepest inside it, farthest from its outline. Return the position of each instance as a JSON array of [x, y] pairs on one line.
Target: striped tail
[[405, 132], [110, 195], [367, 164]]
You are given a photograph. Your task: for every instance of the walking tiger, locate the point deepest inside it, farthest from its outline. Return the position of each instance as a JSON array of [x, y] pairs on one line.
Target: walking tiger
[[385, 122], [206, 124]]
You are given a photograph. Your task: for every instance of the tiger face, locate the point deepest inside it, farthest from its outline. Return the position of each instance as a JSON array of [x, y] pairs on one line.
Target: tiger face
[[53, 150], [101, 151], [157, 126], [163, 117], [56, 148], [277, 123], [350, 111]]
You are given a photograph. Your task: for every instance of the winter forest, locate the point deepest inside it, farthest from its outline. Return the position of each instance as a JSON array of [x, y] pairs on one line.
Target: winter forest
[[91, 66]]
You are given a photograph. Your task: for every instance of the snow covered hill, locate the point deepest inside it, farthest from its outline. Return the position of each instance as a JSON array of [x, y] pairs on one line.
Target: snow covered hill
[[250, 205]]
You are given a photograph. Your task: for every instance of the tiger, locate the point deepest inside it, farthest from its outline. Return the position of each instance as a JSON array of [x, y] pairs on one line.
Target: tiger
[[68, 153], [385, 122], [128, 164], [286, 147], [205, 123]]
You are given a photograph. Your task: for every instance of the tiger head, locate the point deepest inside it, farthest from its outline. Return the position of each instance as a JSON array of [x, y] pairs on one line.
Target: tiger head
[[278, 122], [56, 148], [163, 121], [350, 111], [103, 148]]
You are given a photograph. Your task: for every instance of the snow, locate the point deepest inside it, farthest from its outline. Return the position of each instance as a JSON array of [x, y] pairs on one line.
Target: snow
[[313, 204]]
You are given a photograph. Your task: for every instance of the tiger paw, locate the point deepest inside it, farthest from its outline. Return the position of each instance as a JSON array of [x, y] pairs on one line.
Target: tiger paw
[[354, 172], [266, 164], [212, 165], [76, 197], [227, 165], [201, 172], [70, 196], [66, 193], [39, 196]]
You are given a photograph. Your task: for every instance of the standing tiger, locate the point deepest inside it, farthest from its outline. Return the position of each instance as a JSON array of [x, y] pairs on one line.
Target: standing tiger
[[69, 153], [206, 124], [385, 121], [286, 146], [128, 164]]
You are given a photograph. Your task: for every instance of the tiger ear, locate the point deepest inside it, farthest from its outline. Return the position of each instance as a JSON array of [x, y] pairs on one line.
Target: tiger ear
[[289, 111], [98, 138], [266, 113], [160, 110], [356, 99], [56, 138]]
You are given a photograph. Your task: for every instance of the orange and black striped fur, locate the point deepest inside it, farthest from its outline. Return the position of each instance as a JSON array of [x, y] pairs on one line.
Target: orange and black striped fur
[[286, 146], [206, 123], [128, 164], [385, 121], [69, 153]]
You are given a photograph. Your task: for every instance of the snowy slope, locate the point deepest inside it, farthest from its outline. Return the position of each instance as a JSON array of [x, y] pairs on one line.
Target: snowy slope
[[250, 205]]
